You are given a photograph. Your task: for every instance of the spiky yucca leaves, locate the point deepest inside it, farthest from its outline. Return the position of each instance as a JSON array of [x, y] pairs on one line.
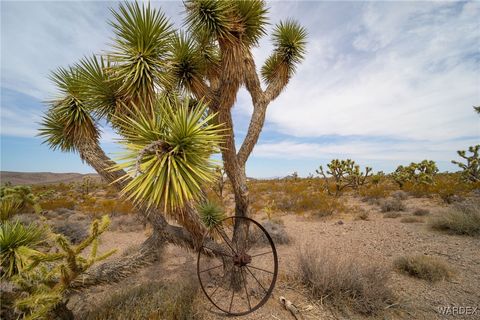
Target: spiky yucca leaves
[[471, 169], [17, 243], [211, 214], [140, 49], [9, 206], [168, 156], [289, 40], [49, 275], [98, 87], [23, 195], [68, 122], [240, 21], [188, 67]]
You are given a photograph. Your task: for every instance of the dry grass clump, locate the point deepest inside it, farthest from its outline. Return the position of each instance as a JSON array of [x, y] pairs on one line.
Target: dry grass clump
[[153, 301], [400, 195], [343, 281], [421, 212], [362, 215], [392, 204], [462, 219], [411, 220], [423, 267]]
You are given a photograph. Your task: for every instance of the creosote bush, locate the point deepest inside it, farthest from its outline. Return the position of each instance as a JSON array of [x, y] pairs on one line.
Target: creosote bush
[[392, 204], [462, 219], [421, 212], [53, 204], [423, 267], [343, 281], [153, 301]]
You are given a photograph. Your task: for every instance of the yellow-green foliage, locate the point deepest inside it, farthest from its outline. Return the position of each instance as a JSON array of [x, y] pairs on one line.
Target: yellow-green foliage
[[50, 273], [23, 195], [416, 173], [17, 243], [9, 206]]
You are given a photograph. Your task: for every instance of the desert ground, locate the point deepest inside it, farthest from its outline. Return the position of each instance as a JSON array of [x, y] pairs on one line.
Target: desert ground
[[355, 233]]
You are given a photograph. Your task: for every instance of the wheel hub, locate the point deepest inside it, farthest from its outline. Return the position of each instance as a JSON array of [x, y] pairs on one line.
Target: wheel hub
[[241, 259]]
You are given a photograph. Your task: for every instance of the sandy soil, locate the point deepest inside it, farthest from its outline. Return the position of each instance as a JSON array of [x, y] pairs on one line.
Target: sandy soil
[[378, 241]]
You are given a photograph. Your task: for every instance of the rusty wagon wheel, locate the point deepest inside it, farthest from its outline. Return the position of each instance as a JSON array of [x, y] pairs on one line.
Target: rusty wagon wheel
[[240, 274]]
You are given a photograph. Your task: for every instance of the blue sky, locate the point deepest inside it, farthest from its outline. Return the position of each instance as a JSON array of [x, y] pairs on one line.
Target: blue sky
[[384, 83]]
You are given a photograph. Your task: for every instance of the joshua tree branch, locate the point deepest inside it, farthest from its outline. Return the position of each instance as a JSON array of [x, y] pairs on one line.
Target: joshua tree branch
[[260, 100]]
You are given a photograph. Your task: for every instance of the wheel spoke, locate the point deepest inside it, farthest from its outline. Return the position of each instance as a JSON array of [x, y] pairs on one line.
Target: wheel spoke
[[260, 269], [261, 254], [231, 301], [225, 238], [256, 278], [245, 286], [220, 265]]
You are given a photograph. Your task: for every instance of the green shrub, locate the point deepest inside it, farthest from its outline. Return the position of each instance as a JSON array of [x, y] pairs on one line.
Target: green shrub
[[423, 267], [343, 281], [462, 219], [153, 300]]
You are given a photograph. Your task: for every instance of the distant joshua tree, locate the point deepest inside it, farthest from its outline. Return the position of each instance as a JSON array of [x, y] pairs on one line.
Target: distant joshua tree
[[169, 95]]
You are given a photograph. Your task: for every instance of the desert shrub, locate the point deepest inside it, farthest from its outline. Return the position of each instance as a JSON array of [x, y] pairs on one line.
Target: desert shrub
[[400, 195], [276, 231], [421, 212], [423, 267], [53, 204], [373, 193], [153, 300], [392, 204], [462, 219], [362, 215], [411, 220], [343, 281], [126, 223], [124, 207], [392, 215], [76, 232]]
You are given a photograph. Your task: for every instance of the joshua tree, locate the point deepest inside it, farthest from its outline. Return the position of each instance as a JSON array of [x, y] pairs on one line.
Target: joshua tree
[[169, 95], [417, 173], [345, 173], [471, 169]]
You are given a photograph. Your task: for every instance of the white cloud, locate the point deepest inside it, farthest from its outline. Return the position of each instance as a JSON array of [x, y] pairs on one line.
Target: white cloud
[[418, 79], [398, 151]]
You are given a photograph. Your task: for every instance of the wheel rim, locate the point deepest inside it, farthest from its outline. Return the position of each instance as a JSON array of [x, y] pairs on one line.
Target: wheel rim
[[241, 276]]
